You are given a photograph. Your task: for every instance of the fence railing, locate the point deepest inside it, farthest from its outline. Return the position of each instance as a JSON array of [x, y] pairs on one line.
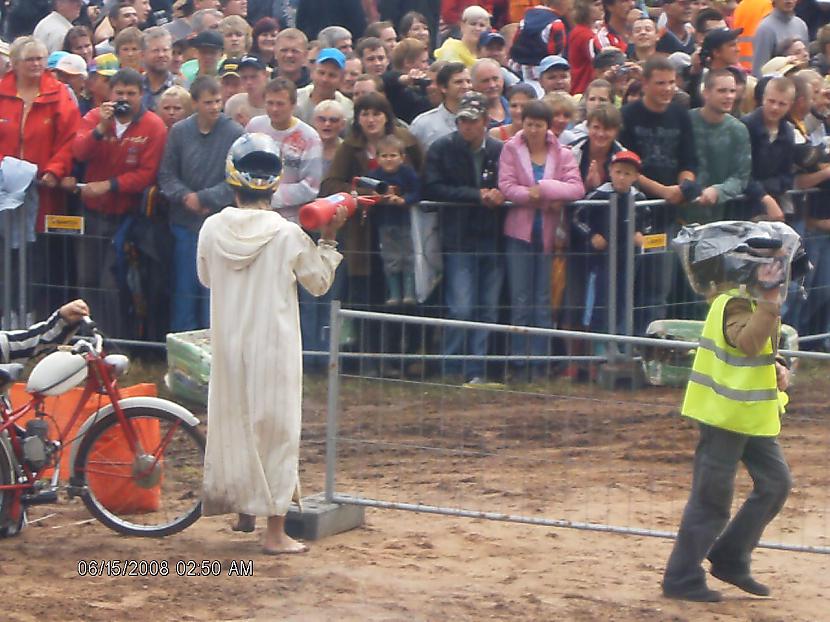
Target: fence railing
[[544, 453], [617, 290]]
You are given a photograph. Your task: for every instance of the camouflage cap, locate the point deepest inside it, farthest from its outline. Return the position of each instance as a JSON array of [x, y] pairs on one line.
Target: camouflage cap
[[473, 105]]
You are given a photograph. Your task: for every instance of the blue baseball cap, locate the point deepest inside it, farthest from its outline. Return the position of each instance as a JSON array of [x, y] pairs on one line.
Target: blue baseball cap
[[488, 38], [53, 59], [553, 62], [332, 54]]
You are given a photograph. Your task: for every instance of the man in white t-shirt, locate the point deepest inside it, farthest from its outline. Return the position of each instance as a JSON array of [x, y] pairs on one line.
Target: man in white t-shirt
[[52, 29], [300, 148]]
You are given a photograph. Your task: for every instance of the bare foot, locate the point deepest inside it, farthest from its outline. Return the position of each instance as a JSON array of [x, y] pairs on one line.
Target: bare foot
[[282, 546], [245, 523]]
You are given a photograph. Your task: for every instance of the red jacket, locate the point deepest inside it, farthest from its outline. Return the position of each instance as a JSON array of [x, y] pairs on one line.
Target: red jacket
[[131, 162], [580, 58], [46, 138]]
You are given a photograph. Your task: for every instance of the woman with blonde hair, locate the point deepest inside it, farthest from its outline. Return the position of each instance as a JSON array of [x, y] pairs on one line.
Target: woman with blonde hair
[[474, 21], [39, 120], [564, 112], [236, 36], [175, 104]]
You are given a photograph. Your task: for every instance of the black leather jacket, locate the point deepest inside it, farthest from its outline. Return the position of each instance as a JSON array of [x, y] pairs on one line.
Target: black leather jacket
[[450, 175]]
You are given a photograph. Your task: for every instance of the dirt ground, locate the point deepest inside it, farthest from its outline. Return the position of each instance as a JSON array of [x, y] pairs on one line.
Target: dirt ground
[[548, 451]]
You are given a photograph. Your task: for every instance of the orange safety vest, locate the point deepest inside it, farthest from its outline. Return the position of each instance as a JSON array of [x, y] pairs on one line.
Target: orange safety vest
[[748, 15]]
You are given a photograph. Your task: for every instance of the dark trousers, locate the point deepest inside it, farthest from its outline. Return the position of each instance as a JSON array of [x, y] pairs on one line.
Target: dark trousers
[[706, 515], [97, 283]]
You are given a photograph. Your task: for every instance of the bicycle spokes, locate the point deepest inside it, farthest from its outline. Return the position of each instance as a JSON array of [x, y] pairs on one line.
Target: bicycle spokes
[[148, 490]]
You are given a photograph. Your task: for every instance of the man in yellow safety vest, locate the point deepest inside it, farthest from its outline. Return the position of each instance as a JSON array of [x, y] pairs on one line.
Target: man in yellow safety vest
[[736, 394]]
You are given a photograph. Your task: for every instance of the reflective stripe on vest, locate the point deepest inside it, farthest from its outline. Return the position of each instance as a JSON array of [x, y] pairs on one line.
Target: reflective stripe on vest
[[728, 389], [736, 361], [744, 395], [746, 49]]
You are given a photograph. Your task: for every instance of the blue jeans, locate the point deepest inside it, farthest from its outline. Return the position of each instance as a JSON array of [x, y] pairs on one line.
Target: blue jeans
[[528, 275], [815, 314], [315, 313], [190, 302], [473, 283], [597, 298]]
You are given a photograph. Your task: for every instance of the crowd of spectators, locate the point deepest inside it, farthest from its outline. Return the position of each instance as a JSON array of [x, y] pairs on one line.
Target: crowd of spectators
[[506, 112]]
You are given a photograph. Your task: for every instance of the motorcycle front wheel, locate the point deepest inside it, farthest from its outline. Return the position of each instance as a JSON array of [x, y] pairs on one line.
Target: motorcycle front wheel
[[153, 491]]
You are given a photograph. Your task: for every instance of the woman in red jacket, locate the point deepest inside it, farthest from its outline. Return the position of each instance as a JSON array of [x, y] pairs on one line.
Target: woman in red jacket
[[37, 121], [38, 118]]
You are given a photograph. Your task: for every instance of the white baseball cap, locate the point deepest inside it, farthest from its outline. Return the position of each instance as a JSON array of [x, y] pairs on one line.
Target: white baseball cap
[[73, 65]]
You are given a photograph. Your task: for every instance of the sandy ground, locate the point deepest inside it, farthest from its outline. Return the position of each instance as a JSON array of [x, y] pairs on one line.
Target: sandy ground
[[572, 453]]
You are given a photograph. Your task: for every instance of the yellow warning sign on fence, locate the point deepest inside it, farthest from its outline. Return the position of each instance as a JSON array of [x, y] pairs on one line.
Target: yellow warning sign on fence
[[654, 241], [67, 225]]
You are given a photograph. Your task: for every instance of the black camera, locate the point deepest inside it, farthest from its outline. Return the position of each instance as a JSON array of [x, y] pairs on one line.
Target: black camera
[[376, 185], [121, 109], [422, 82]]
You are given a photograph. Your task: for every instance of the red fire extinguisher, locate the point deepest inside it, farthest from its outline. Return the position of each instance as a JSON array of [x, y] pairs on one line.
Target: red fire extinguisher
[[320, 212]]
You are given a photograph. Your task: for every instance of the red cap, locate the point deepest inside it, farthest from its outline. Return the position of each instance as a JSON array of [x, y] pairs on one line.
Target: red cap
[[628, 156]]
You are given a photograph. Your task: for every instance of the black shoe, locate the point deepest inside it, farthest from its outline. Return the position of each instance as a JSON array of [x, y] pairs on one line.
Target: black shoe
[[699, 595], [742, 581]]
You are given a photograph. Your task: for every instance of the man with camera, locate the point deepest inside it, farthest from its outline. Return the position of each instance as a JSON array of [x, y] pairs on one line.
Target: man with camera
[[121, 144]]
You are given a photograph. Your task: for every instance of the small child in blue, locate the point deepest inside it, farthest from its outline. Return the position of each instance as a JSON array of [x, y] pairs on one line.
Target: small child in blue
[[392, 217], [595, 224]]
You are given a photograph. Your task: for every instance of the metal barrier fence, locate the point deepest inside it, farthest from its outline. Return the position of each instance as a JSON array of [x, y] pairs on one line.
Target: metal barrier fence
[[618, 290], [528, 445], [545, 451]]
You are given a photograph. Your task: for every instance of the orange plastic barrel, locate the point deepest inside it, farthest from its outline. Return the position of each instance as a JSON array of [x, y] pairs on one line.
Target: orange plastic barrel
[[109, 472]]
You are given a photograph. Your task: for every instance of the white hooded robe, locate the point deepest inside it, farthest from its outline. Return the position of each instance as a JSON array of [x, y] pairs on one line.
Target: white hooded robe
[[251, 260]]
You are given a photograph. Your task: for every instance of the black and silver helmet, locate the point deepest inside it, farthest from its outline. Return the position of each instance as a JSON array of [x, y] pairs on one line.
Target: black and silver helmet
[[253, 163]]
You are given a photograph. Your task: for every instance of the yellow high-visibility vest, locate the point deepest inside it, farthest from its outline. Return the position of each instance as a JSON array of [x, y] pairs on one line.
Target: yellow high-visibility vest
[[728, 389]]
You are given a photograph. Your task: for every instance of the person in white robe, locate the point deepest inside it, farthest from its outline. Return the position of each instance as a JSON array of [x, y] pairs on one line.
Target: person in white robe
[[251, 258]]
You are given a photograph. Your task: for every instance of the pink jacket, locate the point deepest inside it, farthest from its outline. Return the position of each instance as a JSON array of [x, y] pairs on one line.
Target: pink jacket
[[561, 182]]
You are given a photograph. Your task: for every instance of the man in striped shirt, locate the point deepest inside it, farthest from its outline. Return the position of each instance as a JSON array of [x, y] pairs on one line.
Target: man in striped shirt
[[19, 345], [614, 30]]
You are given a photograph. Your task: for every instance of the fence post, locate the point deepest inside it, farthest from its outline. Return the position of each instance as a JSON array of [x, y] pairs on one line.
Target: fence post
[[613, 245], [335, 324], [7, 270], [631, 226], [22, 268]]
